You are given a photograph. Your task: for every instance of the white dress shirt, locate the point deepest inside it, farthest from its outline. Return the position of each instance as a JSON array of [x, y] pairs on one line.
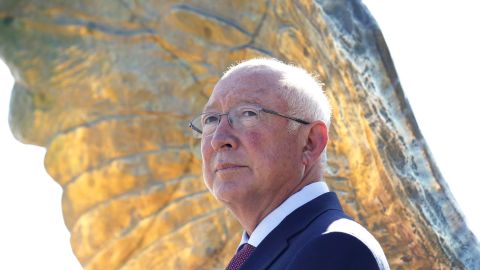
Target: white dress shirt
[[271, 221]]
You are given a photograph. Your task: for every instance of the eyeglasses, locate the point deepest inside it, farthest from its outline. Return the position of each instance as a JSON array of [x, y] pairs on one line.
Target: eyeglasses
[[242, 117]]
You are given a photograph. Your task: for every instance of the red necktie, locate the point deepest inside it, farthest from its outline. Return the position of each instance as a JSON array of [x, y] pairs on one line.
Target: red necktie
[[241, 257]]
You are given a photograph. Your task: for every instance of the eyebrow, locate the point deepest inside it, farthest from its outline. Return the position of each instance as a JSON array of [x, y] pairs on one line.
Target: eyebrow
[[249, 101]]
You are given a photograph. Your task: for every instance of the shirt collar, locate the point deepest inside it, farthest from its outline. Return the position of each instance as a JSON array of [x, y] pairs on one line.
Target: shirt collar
[[271, 221]]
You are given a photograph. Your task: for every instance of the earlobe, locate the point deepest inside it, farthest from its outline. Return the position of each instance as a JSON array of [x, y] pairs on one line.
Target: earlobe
[[305, 157]]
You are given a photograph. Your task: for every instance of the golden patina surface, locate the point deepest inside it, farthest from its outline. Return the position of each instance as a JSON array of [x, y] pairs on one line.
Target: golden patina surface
[[109, 86]]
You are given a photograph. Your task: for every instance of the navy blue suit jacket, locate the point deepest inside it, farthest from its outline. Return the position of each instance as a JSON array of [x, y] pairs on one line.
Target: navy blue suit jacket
[[303, 241]]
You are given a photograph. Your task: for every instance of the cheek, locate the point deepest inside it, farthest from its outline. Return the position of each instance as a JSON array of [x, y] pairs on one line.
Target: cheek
[[206, 150], [255, 139], [207, 178], [206, 159], [261, 149], [203, 150], [279, 152]]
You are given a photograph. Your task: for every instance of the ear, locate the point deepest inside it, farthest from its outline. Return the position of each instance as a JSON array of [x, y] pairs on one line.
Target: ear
[[316, 142]]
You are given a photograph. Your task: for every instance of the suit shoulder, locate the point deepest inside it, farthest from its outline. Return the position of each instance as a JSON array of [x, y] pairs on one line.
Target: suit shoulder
[[334, 250], [348, 230]]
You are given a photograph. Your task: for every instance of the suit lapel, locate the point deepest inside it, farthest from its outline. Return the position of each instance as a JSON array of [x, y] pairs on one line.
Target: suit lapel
[[277, 241]]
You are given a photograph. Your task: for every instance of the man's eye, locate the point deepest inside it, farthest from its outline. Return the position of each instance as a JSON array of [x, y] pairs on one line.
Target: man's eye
[[249, 113], [210, 119]]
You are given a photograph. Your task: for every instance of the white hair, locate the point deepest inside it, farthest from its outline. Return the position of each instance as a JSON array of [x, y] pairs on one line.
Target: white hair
[[301, 90]]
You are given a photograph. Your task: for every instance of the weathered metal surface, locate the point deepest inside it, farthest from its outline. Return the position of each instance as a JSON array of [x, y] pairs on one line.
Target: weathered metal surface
[[108, 86]]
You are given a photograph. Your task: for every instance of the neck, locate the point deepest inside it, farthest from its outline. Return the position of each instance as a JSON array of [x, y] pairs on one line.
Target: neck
[[251, 214]]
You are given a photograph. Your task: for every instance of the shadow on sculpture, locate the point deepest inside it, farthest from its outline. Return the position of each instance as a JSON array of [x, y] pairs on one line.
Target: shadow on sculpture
[[108, 89]]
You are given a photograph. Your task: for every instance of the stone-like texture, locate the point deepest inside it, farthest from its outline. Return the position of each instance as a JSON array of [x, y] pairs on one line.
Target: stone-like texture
[[108, 87]]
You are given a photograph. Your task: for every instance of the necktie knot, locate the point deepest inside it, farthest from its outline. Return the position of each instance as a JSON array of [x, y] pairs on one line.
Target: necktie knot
[[241, 257]]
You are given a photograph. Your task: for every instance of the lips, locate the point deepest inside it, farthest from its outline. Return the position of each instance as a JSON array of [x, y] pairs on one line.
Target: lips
[[223, 167]]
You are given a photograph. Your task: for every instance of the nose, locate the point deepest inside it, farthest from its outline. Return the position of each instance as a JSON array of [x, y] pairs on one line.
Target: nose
[[223, 137]]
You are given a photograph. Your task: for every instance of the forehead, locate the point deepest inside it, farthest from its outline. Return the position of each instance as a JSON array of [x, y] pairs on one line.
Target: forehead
[[256, 85]]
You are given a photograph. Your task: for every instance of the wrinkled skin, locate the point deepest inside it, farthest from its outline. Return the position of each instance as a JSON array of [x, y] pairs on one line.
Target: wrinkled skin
[[252, 171]]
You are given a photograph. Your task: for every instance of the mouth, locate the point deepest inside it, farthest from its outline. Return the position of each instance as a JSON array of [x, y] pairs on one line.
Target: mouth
[[225, 167]]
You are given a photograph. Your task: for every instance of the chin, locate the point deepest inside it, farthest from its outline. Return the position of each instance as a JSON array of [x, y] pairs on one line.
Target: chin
[[227, 193]]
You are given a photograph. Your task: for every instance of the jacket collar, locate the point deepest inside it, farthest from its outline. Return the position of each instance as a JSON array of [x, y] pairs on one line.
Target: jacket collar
[[277, 241]]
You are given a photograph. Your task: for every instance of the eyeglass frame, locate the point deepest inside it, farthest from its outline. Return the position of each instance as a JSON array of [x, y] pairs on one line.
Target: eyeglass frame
[[260, 109]]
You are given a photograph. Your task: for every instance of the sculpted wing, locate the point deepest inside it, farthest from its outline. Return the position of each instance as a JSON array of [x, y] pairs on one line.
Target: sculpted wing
[[108, 88]]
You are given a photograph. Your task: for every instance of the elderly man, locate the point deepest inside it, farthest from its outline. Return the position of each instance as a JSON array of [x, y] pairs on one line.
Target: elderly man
[[263, 135]]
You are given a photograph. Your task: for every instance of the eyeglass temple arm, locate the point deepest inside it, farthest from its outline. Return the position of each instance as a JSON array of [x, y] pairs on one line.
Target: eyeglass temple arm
[[286, 116], [194, 128]]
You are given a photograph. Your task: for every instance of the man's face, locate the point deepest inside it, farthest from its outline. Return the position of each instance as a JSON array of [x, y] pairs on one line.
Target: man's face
[[255, 165]]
